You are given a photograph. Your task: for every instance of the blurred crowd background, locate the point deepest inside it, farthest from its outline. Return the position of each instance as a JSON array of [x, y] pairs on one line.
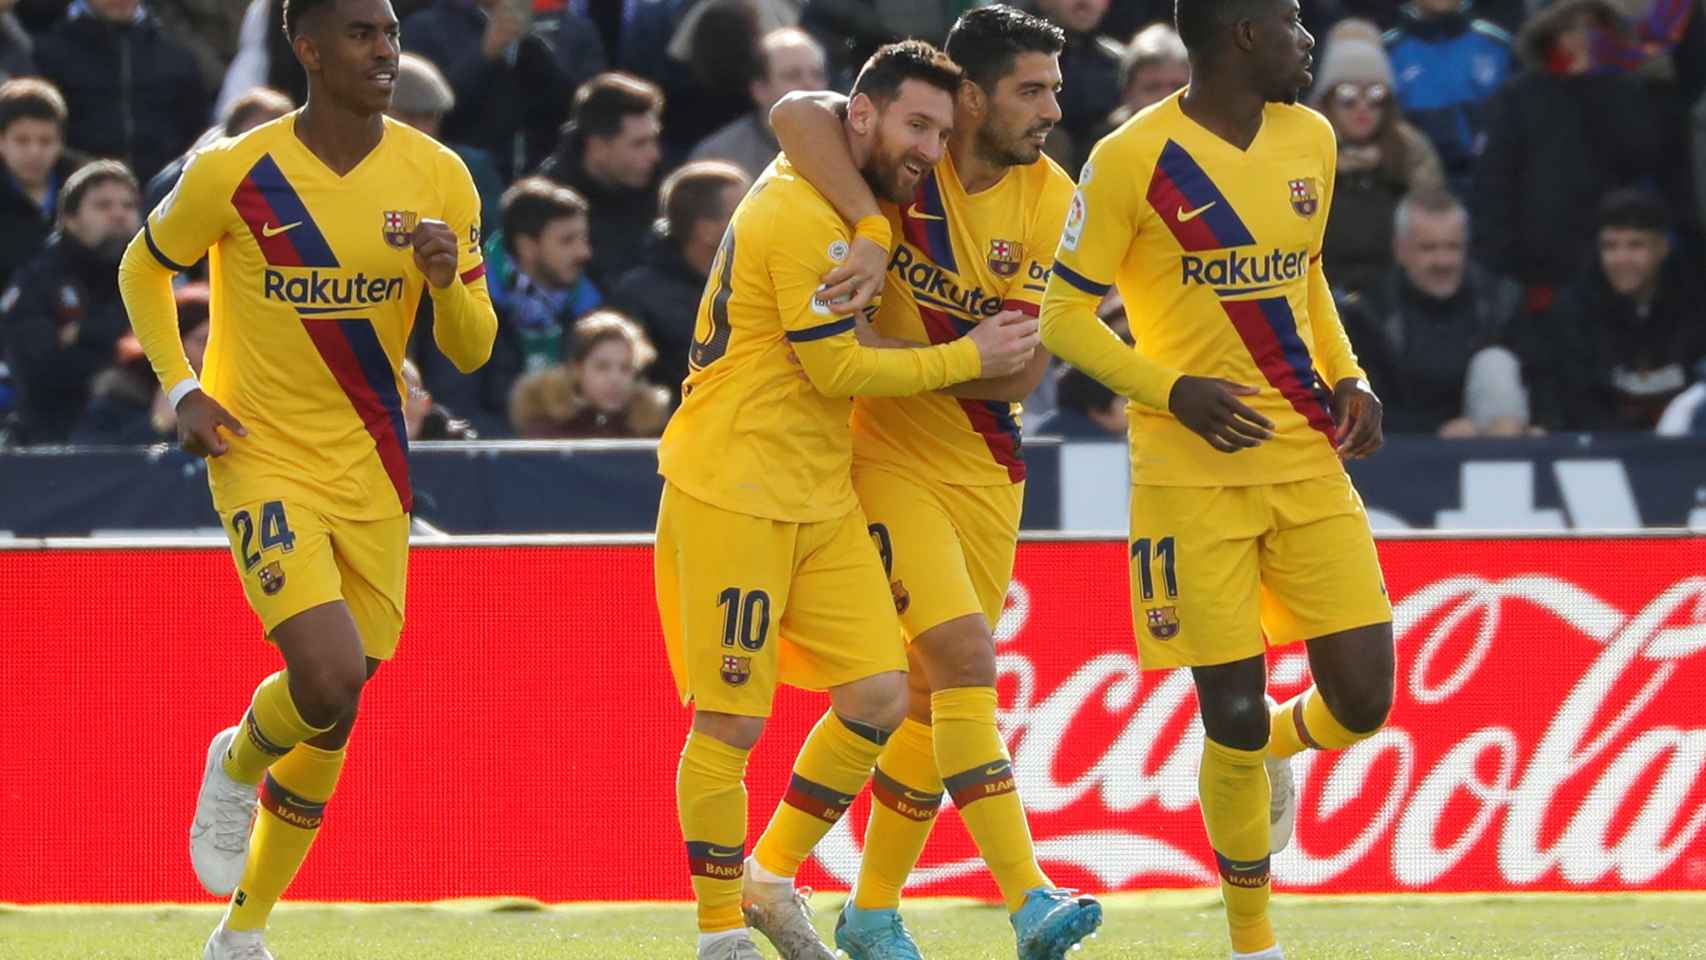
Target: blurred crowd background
[[1515, 238]]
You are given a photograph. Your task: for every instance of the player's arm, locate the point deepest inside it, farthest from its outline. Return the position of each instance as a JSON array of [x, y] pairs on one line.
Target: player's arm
[[448, 253], [808, 126], [176, 234], [1016, 386], [1096, 240], [1356, 410], [828, 346]]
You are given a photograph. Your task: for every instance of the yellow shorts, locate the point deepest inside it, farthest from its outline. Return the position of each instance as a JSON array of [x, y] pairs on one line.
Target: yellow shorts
[[948, 549], [747, 603], [291, 558], [1214, 568]]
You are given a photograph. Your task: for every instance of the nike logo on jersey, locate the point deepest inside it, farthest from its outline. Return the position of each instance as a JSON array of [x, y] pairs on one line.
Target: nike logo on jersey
[[268, 230], [1186, 216], [913, 212]]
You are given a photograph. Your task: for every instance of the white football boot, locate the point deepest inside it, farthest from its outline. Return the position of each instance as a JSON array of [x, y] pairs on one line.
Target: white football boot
[[224, 814], [235, 945], [738, 947], [1282, 797]]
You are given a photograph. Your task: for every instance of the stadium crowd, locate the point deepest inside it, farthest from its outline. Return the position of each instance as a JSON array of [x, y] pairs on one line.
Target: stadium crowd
[[1515, 237]]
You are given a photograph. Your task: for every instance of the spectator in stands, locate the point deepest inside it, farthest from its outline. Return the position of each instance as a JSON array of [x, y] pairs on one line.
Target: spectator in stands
[[511, 93], [126, 403], [1448, 63], [421, 100], [710, 87], [1430, 330], [1624, 339], [598, 392], [537, 282], [32, 142], [258, 106], [1686, 415], [1381, 157], [263, 59], [209, 29], [425, 420], [662, 293], [1558, 135], [852, 30], [630, 33], [1087, 410], [16, 46], [132, 90], [609, 154], [1155, 66], [791, 60], [1090, 78], [63, 315]]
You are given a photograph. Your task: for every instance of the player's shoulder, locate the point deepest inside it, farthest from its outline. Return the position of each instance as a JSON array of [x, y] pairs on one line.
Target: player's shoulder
[[1047, 175], [232, 157], [783, 206], [417, 145], [1144, 133], [1297, 122]]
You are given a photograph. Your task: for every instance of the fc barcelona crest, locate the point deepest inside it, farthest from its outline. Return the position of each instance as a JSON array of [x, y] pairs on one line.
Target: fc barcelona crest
[[400, 227], [272, 578], [1163, 622], [736, 670], [902, 598], [1004, 257], [1304, 199]]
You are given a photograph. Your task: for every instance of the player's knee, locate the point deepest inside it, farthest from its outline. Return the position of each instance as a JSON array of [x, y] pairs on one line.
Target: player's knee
[[960, 653], [918, 697], [739, 732], [878, 701], [1237, 720], [327, 693], [1364, 708]]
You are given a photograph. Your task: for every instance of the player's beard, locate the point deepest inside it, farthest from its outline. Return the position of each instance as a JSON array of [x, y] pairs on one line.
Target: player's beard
[[883, 172], [1008, 151]]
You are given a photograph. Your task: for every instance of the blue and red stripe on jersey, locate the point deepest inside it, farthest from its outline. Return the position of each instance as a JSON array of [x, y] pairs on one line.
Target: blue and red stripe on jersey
[[358, 362], [1181, 186], [929, 233], [1269, 332], [992, 419], [270, 205]]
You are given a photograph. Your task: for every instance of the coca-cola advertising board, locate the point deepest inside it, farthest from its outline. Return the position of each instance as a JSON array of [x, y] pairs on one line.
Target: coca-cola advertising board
[[1549, 731]]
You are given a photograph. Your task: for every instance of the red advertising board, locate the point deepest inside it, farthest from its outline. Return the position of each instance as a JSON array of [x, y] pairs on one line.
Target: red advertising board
[[1547, 734]]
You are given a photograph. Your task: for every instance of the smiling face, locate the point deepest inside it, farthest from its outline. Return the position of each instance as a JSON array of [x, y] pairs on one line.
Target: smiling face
[[1022, 110], [911, 134], [351, 49]]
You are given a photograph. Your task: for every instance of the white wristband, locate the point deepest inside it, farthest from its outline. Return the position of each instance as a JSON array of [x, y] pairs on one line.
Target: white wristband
[[180, 390]]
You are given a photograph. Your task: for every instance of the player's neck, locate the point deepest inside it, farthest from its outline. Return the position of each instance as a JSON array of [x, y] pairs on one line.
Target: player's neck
[[1230, 111], [977, 172], [340, 138]]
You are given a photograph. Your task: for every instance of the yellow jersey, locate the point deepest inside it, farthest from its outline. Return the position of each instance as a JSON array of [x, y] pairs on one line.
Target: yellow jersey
[[1216, 252], [763, 424], [314, 289], [962, 257]]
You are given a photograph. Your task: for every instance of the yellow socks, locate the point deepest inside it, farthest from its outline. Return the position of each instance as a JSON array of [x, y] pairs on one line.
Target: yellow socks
[[834, 763], [710, 794], [1233, 788], [269, 729], [906, 792], [1305, 723], [979, 776], [293, 802]]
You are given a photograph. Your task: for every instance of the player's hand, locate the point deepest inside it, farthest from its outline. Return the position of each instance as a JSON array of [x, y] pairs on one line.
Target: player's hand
[[435, 252], [859, 278], [1357, 414], [199, 419], [1211, 408], [1005, 342]]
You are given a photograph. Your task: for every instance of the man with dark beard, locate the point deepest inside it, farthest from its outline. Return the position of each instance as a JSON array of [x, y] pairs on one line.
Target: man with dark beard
[[1209, 211], [941, 476], [63, 313]]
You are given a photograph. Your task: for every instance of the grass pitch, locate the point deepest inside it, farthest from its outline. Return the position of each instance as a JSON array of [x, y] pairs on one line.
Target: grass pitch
[[1186, 926]]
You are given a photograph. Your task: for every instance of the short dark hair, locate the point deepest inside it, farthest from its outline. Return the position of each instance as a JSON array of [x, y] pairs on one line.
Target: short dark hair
[[257, 100], [531, 203], [1633, 209], [895, 63], [601, 325], [605, 101], [295, 11], [88, 177], [987, 40], [31, 98], [1199, 22], [694, 193]]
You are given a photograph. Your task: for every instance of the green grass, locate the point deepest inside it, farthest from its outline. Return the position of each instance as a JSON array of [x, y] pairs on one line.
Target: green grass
[[1139, 927]]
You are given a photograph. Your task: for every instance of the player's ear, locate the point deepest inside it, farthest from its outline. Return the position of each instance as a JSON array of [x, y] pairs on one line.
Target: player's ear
[[971, 99], [862, 114], [307, 53], [1244, 34]]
